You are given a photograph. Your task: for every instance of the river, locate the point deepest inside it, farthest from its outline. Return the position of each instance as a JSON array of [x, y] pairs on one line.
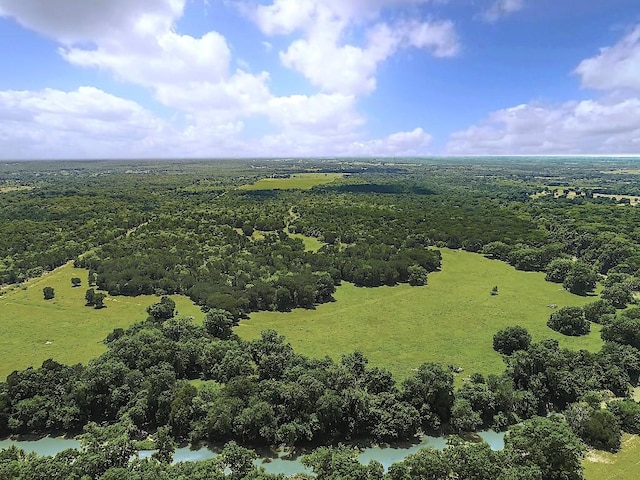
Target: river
[[272, 463]]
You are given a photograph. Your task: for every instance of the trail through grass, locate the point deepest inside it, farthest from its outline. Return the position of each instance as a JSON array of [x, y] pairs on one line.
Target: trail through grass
[[33, 329], [451, 321]]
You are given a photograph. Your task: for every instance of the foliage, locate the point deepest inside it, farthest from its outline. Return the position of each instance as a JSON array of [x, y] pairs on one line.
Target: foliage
[[569, 321], [510, 339], [48, 293]]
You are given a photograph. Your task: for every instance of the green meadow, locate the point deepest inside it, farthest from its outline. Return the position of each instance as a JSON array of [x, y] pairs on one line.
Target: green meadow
[[299, 181], [624, 465], [452, 320], [33, 329]]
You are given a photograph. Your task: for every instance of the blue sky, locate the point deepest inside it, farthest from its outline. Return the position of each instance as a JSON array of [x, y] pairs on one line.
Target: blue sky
[[286, 78]]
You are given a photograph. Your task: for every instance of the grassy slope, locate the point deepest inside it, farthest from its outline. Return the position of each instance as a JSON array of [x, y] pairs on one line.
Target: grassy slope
[[301, 181], [624, 465], [75, 332], [451, 321]]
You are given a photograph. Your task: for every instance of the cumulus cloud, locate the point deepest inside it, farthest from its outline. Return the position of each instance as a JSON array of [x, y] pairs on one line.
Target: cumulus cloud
[[138, 42], [606, 125], [589, 126], [502, 8], [616, 67], [331, 63], [86, 122]]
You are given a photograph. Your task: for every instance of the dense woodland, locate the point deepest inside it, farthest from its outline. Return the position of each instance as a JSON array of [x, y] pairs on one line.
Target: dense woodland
[[163, 229]]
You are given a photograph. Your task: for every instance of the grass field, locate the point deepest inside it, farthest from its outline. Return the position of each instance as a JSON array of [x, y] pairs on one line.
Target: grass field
[[311, 244], [624, 465], [299, 181], [33, 330], [451, 321]]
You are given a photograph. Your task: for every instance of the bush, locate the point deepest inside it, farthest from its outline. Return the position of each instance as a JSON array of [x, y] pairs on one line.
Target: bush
[[48, 293], [569, 321], [596, 311], [510, 339]]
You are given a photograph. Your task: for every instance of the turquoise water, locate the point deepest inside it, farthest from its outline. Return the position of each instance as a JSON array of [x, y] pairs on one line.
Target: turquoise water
[[280, 463]]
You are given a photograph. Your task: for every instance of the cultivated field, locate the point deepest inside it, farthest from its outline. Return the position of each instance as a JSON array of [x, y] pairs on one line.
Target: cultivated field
[[451, 321], [624, 465], [299, 181], [33, 329]]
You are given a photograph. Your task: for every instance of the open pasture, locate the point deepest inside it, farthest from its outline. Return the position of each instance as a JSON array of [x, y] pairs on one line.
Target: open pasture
[[33, 329], [297, 181], [451, 321], [624, 465]]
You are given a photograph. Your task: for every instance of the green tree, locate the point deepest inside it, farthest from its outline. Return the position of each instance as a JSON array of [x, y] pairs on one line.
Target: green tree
[[219, 323], [165, 445], [569, 321], [618, 295], [548, 444], [48, 293], [417, 275], [510, 339], [581, 279], [98, 300], [163, 310], [558, 269], [90, 297], [76, 281]]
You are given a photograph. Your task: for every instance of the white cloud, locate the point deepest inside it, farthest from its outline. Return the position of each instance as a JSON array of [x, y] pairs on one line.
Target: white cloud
[[137, 42], [502, 8], [589, 126], [610, 124], [73, 21], [415, 142], [85, 122], [616, 67], [343, 68]]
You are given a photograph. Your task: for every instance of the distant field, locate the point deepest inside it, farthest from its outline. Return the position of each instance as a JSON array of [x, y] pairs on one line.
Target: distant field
[[300, 181], [451, 321], [624, 465], [311, 244], [33, 330]]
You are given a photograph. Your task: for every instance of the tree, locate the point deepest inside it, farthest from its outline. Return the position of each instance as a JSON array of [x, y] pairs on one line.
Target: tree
[[163, 310], [602, 430], [510, 339], [558, 269], [165, 445], [549, 444], [90, 297], [76, 281], [417, 275], [580, 279], [98, 300], [618, 295], [219, 323], [48, 293], [463, 418], [569, 321], [596, 311], [628, 414]]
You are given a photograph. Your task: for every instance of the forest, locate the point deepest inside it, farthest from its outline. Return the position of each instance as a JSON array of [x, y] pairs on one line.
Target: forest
[[166, 228]]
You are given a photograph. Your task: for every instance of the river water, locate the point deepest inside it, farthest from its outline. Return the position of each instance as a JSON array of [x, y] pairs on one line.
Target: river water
[[272, 463]]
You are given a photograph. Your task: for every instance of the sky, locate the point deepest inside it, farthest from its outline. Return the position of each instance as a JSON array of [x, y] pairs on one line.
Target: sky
[[85, 79]]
